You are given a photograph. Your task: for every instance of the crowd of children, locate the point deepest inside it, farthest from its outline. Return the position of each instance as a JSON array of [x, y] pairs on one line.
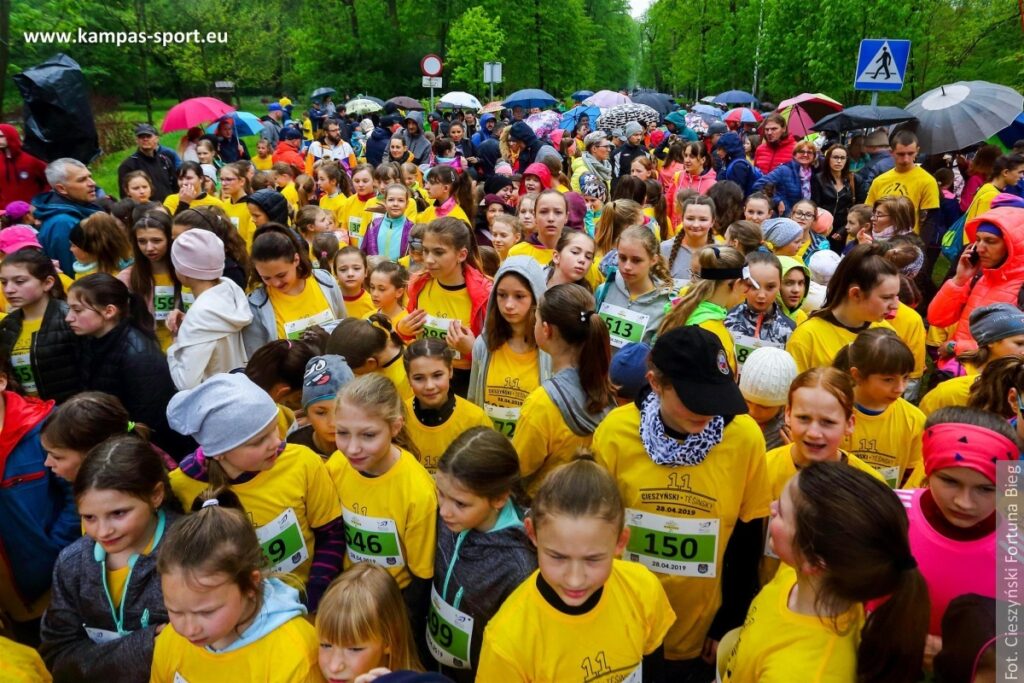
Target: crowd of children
[[338, 421]]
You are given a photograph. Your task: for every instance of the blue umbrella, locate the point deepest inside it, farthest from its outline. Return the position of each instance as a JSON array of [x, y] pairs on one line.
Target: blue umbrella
[[707, 112], [735, 97], [245, 123], [571, 118], [529, 98], [581, 95], [1012, 133]]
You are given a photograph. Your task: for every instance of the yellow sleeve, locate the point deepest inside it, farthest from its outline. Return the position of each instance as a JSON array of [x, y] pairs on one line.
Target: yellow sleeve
[[602, 442], [660, 615], [21, 664], [420, 535], [185, 488], [872, 192], [915, 461], [532, 430], [800, 349], [322, 504], [495, 663], [757, 493], [171, 202]]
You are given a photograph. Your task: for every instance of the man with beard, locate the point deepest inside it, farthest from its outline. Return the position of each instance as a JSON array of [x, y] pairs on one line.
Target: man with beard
[[333, 147]]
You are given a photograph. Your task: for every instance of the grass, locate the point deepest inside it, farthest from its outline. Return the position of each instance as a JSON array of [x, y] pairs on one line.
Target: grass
[[104, 169]]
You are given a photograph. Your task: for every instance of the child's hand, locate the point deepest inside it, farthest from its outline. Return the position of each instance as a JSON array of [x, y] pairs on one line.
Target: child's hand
[[932, 647], [460, 338], [316, 336], [372, 675], [173, 322], [410, 325], [785, 435], [187, 192]]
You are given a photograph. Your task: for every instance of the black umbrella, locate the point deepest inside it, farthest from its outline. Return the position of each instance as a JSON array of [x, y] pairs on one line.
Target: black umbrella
[[322, 92], [619, 115], [657, 101], [406, 103], [862, 116]]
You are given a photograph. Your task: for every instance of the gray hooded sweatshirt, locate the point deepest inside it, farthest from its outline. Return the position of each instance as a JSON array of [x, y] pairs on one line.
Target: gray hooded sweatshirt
[[419, 145], [652, 304], [263, 328], [533, 273]]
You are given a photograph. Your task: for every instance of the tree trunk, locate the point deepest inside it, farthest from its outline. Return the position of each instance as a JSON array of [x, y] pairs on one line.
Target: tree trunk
[[140, 19], [392, 7], [540, 52], [5, 47], [352, 18]]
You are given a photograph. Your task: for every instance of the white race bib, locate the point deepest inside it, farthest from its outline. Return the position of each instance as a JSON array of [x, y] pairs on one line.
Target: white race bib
[[449, 633], [163, 301], [673, 545], [355, 227], [178, 678], [890, 474], [295, 328], [22, 365], [624, 326], [372, 539], [100, 636], [283, 543], [746, 345], [438, 329], [504, 419], [187, 298]]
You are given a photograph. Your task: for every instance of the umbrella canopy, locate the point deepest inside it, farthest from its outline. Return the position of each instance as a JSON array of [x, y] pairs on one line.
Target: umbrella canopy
[[735, 97], [659, 102], [862, 116], [406, 103], [529, 98], [322, 92], [457, 99], [544, 122], [697, 123], [492, 107], [816, 104], [620, 115], [958, 115], [606, 99], [1013, 132], [572, 118], [707, 112], [377, 100], [581, 95], [361, 106], [742, 115], [193, 112], [799, 121], [245, 123], [708, 99]]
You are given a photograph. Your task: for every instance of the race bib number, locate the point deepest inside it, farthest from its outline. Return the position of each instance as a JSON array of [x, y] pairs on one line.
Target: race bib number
[[100, 636], [355, 227], [624, 325], [163, 301], [671, 545], [449, 633], [295, 328], [372, 539], [438, 329], [282, 542], [22, 365], [746, 345], [504, 419]]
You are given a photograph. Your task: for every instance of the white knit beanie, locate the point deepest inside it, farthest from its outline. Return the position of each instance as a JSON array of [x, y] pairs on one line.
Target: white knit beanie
[[766, 376], [823, 265]]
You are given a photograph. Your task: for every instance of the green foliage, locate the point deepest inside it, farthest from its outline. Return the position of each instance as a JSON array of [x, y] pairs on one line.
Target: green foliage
[[475, 38]]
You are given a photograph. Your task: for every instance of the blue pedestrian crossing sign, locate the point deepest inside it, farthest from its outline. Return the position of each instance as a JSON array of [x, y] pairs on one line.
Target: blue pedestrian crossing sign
[[882, 64]]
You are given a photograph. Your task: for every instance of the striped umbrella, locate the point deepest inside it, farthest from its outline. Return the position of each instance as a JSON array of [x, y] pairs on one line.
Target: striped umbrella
[[742, 115]]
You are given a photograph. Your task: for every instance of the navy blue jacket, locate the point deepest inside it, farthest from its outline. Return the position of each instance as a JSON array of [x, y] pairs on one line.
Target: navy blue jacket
[[786, 180]]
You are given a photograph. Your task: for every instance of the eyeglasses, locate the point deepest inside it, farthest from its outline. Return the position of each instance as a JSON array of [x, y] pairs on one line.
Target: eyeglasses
[[838, 158], [801, 152], [879, 215], [803, 214]]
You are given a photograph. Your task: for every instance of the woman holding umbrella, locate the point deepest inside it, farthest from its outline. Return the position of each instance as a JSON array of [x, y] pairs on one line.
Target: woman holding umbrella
[[229, 147], [832, 188]]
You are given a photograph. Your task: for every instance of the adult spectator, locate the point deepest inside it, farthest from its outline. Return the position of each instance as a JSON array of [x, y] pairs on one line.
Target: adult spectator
[[469, 122], [675, 124], [524, 142], [151, 158], [715, 132], [61, 209], [376, 144], [633, 135], [485, 131], [832, 188], [995, 275], [229, 148], [777, 146], [22, 176], [908, 180], [333, 147], [876, 146], [287, 150], [594, 160], [272, 124], [792, 180], [412, 134]]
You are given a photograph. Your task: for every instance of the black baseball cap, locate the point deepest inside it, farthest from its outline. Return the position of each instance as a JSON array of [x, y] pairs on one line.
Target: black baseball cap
[[694, 362], [145, 129]]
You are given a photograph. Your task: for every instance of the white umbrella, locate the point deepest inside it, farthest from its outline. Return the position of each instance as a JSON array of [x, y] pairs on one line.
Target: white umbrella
[[457, 99], [362, 106], [962, 114]]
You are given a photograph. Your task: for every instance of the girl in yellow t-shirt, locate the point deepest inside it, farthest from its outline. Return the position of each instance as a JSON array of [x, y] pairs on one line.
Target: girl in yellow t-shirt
[[350, 272], [234, 189], [566, 624], [151, 276], [388, 282], [372, 345], [888, 430], [435, 416], [863, 290], [228, 620], [191, 193], [508, 363], [119, 493], [451, 194], [354, 216], [721, 283], [328, 181], [362, 624], [388, 500], [843, 538]]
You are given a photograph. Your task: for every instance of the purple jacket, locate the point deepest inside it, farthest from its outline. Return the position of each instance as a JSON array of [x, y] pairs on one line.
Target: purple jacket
[[369, 243]]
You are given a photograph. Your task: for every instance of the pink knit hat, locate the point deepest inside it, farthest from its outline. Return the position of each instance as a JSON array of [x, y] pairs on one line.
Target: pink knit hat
[[199, 254]]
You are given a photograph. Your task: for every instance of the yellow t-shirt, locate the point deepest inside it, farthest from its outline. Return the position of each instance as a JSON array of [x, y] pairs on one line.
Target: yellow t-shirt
[[294, 314], [952, 392], [816, 342], [355, 218], [542, 439], [890, 442], [263, 163], [778, 645], [510, 378], [529, 640], [442, 306], [291, 195], [238, 214], [937, 336], [432, 442], [171, 201], [21, 663], [163, 304], [360, 306], [917, 185], [718, 328], [295, 495], [395, 371], [21, 356], [390, 520], [430, 213], [336, 205], [285, 420], [543, 256], [288, 654], [117, 579], [696, 508], [910, 328]]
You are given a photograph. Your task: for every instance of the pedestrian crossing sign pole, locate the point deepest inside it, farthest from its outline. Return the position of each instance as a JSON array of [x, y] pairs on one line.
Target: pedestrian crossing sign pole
[[881, 66]]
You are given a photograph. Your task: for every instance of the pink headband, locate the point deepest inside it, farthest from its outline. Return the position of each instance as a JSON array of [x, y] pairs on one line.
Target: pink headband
[[962, 445]]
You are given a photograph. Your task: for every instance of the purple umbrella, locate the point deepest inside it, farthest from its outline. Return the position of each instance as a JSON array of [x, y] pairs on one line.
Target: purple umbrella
[[606, 99]]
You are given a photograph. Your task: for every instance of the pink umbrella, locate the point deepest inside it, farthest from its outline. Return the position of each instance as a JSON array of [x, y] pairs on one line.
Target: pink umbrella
[[804, 110], [742, 115], [193, 112], [605, 99], [544, 122]]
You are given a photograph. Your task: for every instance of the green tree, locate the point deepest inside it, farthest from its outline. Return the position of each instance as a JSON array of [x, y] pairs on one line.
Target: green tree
[[474, 38]]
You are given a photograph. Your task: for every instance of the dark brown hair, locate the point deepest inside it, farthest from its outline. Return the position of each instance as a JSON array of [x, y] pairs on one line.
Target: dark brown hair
[[863, 267], [87, 419], [483, 461], [141, 280], [497, 330], [878, 351], [273, 241], [279, 361], [992, 389], [123, 463], [359, 339], [99, 290], [581, 488], [39, 266]]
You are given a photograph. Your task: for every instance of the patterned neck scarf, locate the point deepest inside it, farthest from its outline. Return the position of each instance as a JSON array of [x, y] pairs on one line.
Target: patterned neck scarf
[[665, 450]]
